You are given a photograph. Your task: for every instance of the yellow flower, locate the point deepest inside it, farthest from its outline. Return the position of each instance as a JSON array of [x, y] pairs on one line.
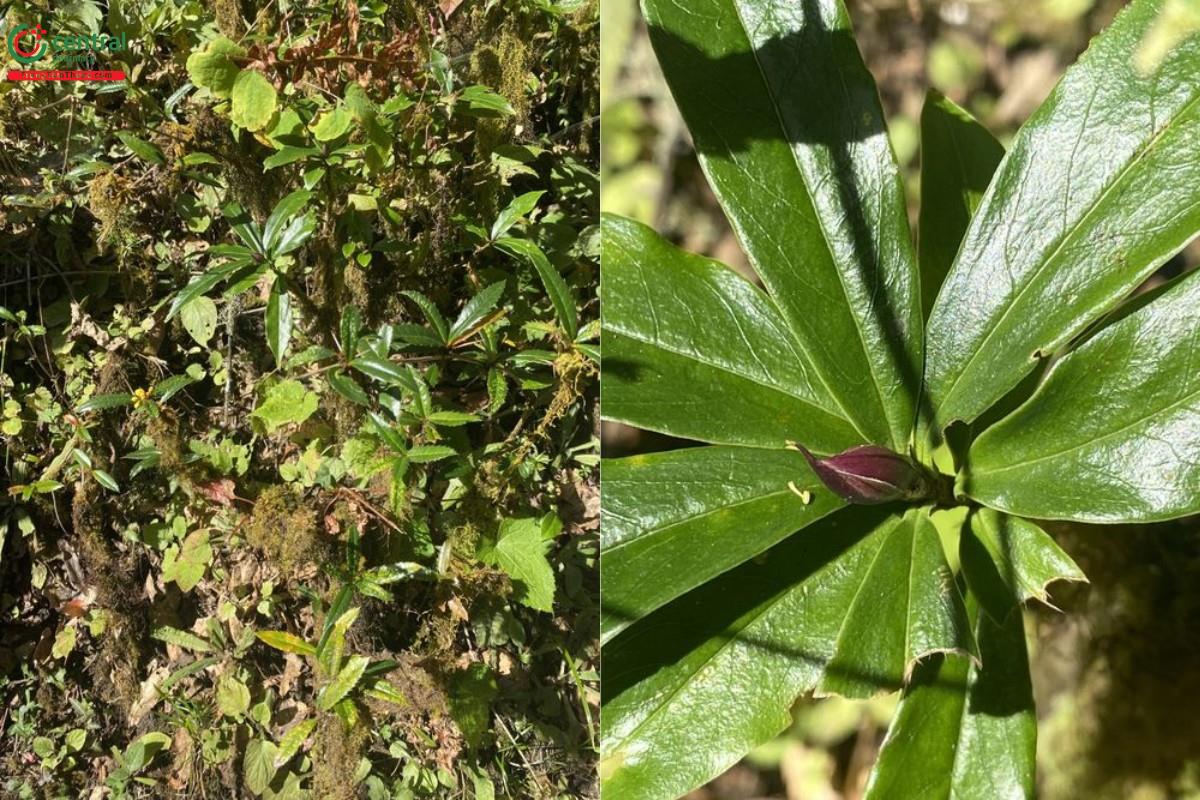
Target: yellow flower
[[140, 396]]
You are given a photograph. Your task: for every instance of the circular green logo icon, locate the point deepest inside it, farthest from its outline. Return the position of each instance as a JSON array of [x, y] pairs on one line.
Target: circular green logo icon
[[27, 43]]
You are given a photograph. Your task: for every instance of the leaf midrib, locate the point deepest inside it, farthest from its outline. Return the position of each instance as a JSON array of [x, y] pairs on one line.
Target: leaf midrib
[[833, 258], [693, 356], [1164, 409], [837, 641], [1067, 236], [609, 549], [688, 679]]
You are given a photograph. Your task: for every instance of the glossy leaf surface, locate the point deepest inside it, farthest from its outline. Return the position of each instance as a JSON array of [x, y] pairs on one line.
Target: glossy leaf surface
[[964, 731], [693, 349], [1008, 560], [958, 158], [787, 124], [694, 686], [1113, 433], [907, 607], [671, 521], [1100, 187], [279, 319]]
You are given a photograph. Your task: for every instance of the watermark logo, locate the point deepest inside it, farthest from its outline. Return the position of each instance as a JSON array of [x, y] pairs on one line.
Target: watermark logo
[[74, 58], [27, 43]]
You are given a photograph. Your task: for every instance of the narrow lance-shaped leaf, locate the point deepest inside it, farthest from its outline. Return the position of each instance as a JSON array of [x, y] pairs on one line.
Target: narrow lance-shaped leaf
[[342, 685], [279, 319], [430, 309], [202, 284], [476, 309], [723, 664], [964, 729], [693, 349], [518, 208], [560, 294], [283, 212], [908, 584], [958, 158], [1113, 432], [671, 521], [1100, 187], [787, 124]]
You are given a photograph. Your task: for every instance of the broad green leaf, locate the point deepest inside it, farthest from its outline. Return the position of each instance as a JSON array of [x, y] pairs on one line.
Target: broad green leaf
[[476, 309], [482, 101], [258, 765], [908, 579], [347, 678], [383, 370], [199, 319], [415, 334], [281, 215], [185, 564], [723, 664], [1100, 187], [253, 101], [787, 125], [964, 730], [189, 669], [296, 233], [287, 155], [287, 642], [472, 691], [693, 349], [520, 551], [141, 148], [64, 642], [106, 480], [331, 124], [958, 158], [516, 210], [279, 319], [184, 639], [233, 696], [671, 521], [142, 751], [1008, 560], [497, 386], [213, 68], [309, 355], [560, 294], [1113, 432], [286, 402], [169, 387], [346, 386]]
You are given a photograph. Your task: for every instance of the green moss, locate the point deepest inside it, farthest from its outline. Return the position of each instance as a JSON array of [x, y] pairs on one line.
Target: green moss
[[285, 530], [336, 752]]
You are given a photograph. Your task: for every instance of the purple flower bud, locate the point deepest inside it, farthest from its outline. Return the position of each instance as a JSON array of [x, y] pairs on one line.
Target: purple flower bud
[[868, 475]]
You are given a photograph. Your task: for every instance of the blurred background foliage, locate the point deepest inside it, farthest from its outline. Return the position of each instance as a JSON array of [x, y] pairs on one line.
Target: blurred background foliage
[[1116, 674]]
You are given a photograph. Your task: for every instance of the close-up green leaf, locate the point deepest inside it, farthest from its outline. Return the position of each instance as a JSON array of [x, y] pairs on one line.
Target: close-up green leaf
[[851, 465]]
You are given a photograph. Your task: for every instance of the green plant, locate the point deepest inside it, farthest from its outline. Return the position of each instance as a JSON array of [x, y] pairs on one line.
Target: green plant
[[248, 323], [862, 517]]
